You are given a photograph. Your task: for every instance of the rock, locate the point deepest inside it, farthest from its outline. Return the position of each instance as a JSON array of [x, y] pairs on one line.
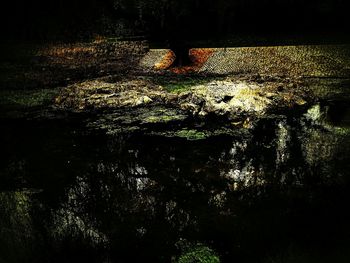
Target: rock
[[147, 100], [236, 99]]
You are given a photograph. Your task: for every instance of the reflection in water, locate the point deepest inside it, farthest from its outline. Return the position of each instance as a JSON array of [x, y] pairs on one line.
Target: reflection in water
[[278, 195], [16, 227]]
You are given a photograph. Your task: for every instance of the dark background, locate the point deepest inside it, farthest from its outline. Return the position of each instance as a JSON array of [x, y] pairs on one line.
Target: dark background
[[68, 20]]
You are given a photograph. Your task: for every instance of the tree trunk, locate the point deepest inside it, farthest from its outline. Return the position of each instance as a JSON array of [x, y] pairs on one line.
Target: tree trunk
[[181, 51]]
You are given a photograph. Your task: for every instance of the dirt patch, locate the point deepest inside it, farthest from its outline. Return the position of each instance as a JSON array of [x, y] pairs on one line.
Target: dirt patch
[[198, 56]]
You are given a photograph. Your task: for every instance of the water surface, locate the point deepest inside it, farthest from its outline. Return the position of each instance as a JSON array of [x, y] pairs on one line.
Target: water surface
[[277, 194]]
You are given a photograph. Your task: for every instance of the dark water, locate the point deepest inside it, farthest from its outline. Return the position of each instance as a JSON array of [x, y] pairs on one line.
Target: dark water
[[279, 194]]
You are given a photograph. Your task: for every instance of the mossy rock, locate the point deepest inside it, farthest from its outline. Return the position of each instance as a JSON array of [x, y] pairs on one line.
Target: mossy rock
[[191, 134], [199, 254], [161, 115]]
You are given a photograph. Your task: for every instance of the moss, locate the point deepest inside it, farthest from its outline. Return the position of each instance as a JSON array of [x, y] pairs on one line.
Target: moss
[[199, 253], [191, 134], [177, 88], [26, 99]]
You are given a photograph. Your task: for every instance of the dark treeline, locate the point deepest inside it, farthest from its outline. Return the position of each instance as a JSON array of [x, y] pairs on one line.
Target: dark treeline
[[163, 19]]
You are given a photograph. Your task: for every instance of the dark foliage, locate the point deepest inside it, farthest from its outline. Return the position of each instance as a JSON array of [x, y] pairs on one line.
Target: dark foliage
[[167, 19]]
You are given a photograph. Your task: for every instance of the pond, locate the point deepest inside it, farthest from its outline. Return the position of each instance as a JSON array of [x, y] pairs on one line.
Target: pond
[[278, 193]]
